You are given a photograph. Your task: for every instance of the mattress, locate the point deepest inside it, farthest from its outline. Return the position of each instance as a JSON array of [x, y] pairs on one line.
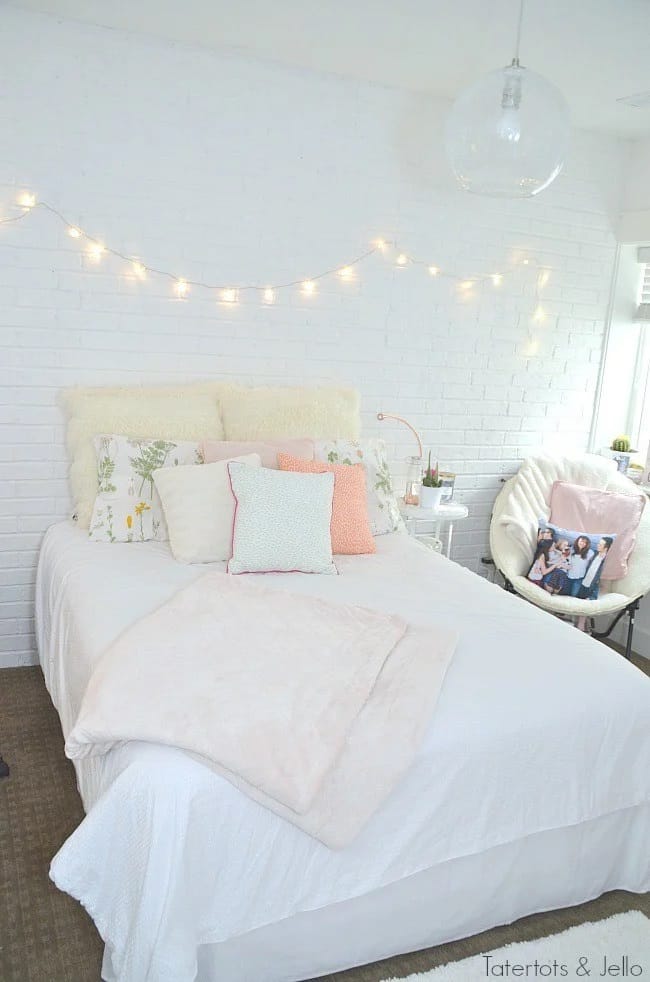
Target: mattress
[[538, 728]]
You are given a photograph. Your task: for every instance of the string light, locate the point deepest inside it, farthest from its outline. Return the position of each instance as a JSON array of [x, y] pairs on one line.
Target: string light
[[96, 250], [267, 294]]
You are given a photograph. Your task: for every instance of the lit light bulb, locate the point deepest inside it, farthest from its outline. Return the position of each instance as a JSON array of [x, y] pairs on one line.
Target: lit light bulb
[[269, 295], [229, 296], [543, 278], [402, 259], [467, 284], [509, 123], [434, 270], [525, 262], [74, 233], [509, 126], [381, 244], [181, 288], [345, 272], [139, 270], [539, 314], [27, 200], [497, 278], [308, 286], [96, 251]]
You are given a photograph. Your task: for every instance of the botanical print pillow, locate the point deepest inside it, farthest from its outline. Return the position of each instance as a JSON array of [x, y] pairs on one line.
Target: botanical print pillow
[[569, 563], [383, 511], [128, 507]]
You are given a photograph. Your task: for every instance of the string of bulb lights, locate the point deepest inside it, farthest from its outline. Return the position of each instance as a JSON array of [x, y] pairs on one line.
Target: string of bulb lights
[[230, 294]]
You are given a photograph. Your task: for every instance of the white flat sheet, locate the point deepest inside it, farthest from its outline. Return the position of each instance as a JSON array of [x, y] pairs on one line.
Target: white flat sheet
[[537, 727]]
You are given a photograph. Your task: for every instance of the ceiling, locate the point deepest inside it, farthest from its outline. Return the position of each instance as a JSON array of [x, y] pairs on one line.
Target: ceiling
[[595, 50]]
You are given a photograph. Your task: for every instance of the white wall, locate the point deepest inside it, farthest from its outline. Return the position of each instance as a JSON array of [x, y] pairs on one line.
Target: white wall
[[224, 168]]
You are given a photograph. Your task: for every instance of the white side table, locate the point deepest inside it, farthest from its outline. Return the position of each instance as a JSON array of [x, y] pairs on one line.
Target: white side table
[[447, 514]]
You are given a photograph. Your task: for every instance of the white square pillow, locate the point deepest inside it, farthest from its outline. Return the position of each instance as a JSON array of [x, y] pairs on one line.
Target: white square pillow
[[199, 509], [383, 511], [127, 507], [282, 521]]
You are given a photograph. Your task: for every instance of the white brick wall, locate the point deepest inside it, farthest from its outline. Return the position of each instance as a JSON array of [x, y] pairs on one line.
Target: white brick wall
[[223, 168]]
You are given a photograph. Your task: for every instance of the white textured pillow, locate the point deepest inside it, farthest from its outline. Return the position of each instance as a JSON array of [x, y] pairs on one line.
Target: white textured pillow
[[282, 521], [199, 509], [270, 413], [383, 510], [169, 414], [127, 507]]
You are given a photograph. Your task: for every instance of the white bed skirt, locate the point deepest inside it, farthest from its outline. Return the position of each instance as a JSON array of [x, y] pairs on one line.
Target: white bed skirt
[[548, 870]]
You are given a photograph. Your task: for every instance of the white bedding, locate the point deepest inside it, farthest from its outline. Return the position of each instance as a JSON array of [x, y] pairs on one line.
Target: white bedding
[[537, 727]]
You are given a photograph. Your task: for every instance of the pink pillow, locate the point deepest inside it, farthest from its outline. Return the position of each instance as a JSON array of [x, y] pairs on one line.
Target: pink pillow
[[576, 507], [350, 528], [214, 450]]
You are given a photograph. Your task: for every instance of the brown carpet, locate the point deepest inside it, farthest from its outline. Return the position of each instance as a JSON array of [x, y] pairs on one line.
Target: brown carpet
[[45, 936]]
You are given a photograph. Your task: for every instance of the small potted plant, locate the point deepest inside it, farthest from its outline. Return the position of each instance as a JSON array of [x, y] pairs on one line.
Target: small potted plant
[[431, 489], [622, 452]]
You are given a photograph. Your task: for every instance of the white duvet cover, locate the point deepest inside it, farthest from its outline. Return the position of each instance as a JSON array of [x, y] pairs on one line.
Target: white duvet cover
[[537, 727]]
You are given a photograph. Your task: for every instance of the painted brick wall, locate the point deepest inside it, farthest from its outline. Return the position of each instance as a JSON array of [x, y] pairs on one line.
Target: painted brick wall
[[232, 170]]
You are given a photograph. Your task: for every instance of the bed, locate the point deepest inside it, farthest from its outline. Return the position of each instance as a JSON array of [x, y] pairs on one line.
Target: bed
[[531, 789]]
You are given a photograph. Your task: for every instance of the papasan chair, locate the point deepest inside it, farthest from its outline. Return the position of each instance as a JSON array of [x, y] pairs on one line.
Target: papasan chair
[[525, 498]]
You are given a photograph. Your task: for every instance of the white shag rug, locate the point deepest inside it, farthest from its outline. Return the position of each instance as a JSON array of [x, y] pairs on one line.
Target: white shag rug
[[617, 947]]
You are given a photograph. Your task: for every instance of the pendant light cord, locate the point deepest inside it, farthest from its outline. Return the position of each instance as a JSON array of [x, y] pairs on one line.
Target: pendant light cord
[[515, 60]]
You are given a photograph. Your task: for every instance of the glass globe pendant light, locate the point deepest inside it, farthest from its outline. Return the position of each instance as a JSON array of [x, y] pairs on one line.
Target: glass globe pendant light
[[508, 133]]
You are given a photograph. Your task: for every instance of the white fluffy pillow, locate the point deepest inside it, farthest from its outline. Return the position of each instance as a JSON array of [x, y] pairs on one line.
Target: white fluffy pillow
[[282, 521], [271, 413], [199, 509], [168, 414]]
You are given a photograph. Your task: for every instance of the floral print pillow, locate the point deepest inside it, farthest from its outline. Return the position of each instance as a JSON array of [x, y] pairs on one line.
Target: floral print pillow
[[127, 507], [383, 511]]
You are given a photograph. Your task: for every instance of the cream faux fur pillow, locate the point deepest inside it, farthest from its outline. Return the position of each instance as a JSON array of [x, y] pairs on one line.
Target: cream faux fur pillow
[[264, 413], [183, 413]]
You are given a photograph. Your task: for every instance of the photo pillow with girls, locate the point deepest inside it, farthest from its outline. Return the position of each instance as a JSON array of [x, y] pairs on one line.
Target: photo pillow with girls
[[569, 564]]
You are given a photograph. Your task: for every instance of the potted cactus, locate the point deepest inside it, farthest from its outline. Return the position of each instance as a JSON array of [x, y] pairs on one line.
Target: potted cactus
[[431, 487], [622, 452]]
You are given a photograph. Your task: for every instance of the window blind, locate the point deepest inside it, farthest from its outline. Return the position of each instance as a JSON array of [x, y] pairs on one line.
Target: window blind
[[643, 312]]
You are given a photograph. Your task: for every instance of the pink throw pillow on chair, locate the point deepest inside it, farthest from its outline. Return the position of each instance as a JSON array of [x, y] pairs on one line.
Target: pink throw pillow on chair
[[575, 506], [350, 527]]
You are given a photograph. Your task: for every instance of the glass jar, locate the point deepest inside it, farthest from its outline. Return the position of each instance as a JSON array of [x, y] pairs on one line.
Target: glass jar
[[413, 480]]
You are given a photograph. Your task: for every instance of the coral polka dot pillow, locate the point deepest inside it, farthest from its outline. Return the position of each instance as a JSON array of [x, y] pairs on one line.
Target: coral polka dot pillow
[[350, 527]]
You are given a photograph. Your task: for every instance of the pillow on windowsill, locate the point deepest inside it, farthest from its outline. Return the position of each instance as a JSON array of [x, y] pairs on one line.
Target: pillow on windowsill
[[349, 528], [282, 521]]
